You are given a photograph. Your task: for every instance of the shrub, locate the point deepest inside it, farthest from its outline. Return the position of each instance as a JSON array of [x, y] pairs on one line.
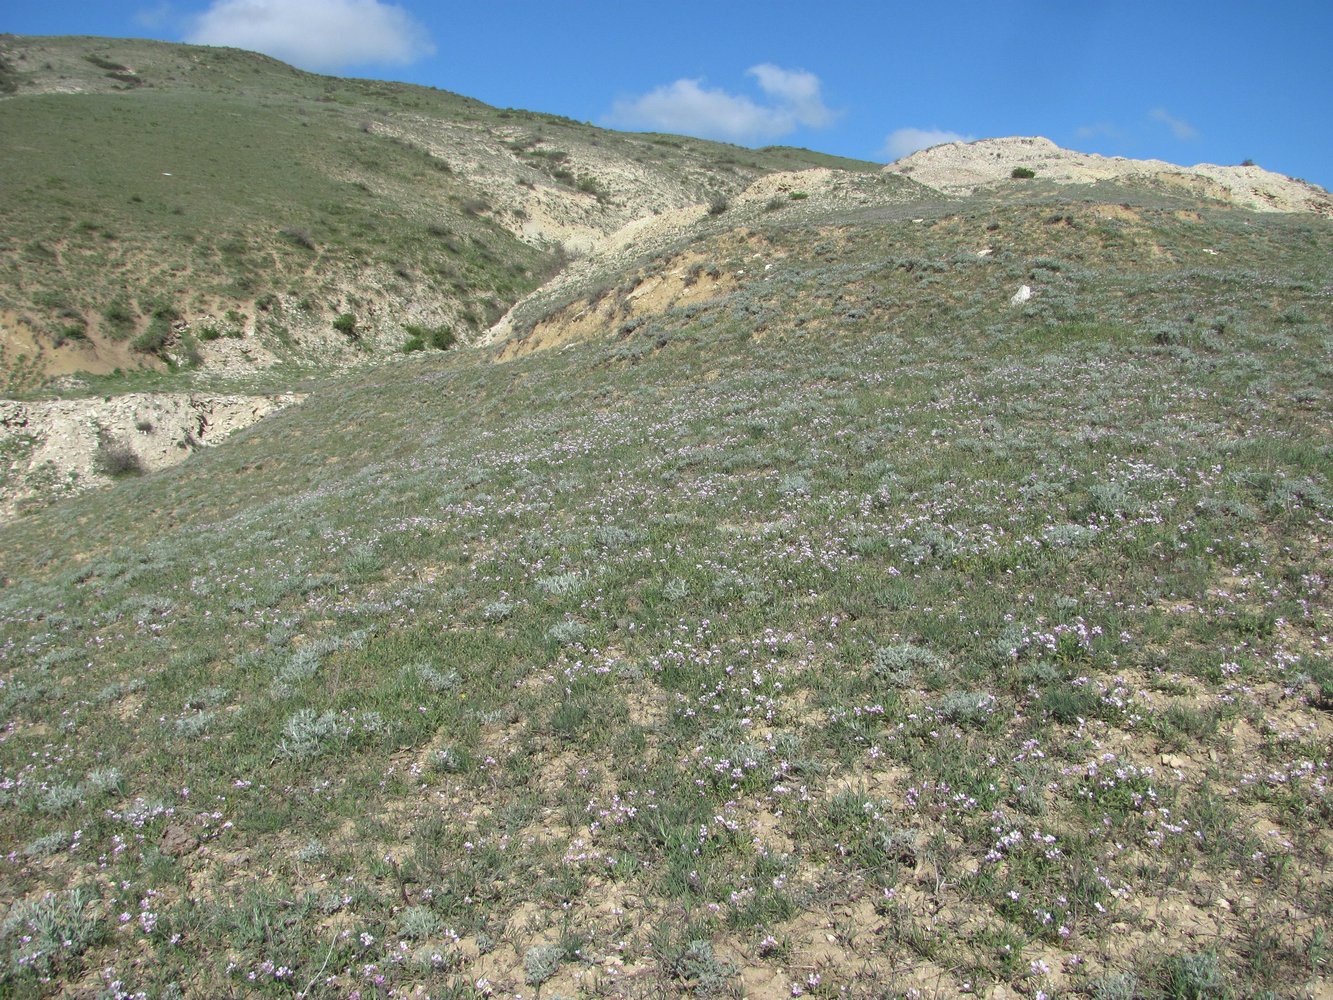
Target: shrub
[[433, 679], [115, 458], [418, 922], [1069, 536], [541, 962], [966, 708], [101, 62], [300, 237], [195, 724], [1195, 976], [306, 733], [447, 760], [59, 797], [561, 583], [154, 340], [70, 331], [345, 324], [1023, 173], [1120, 986], [103, 781], [898, 664], [119, 319], [44, 847], [718, 204], [698, 970], [567, 632], [498, 611], [439, 338]]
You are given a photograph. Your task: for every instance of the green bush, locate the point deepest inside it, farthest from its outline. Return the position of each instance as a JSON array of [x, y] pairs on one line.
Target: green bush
[[154, 340], [1023, 173], [346, 325], [439, 338], [120, 319], [71, 331]]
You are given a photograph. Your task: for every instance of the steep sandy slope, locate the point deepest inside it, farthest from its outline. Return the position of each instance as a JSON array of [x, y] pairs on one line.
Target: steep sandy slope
[[666, 234], [965, 167]]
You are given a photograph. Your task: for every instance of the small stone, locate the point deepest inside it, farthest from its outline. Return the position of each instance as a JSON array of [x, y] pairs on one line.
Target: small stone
[[178, 841], [1022, 295]]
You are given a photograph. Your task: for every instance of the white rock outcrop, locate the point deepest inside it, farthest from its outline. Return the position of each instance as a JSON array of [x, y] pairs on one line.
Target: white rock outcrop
[[54, 448], [964, 167]]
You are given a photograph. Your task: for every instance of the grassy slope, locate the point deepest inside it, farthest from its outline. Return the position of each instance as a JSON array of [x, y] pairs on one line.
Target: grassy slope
[[852, 630], [292, 198], [257, 152]]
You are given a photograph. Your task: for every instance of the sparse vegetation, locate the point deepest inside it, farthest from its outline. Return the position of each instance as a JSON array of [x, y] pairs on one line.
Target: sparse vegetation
[[846, 630]]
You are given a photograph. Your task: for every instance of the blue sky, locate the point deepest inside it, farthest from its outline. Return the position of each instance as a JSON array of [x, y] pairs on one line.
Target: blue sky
[[1179, 80]]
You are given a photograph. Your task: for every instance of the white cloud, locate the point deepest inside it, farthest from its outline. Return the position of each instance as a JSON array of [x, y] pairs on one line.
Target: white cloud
[[687, 106], [315, 34], [905, 141], [1180, 129], [797, 91]]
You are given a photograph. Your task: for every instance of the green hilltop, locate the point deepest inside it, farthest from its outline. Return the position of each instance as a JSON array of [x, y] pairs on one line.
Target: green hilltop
[[770, 605]]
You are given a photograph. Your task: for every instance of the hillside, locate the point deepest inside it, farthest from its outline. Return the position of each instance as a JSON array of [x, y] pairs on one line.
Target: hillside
[[215, 209], [770, 604], [966, 167]]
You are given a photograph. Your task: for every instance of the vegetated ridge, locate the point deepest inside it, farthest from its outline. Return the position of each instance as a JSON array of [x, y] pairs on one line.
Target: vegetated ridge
[[204, 207], [778, 604]]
